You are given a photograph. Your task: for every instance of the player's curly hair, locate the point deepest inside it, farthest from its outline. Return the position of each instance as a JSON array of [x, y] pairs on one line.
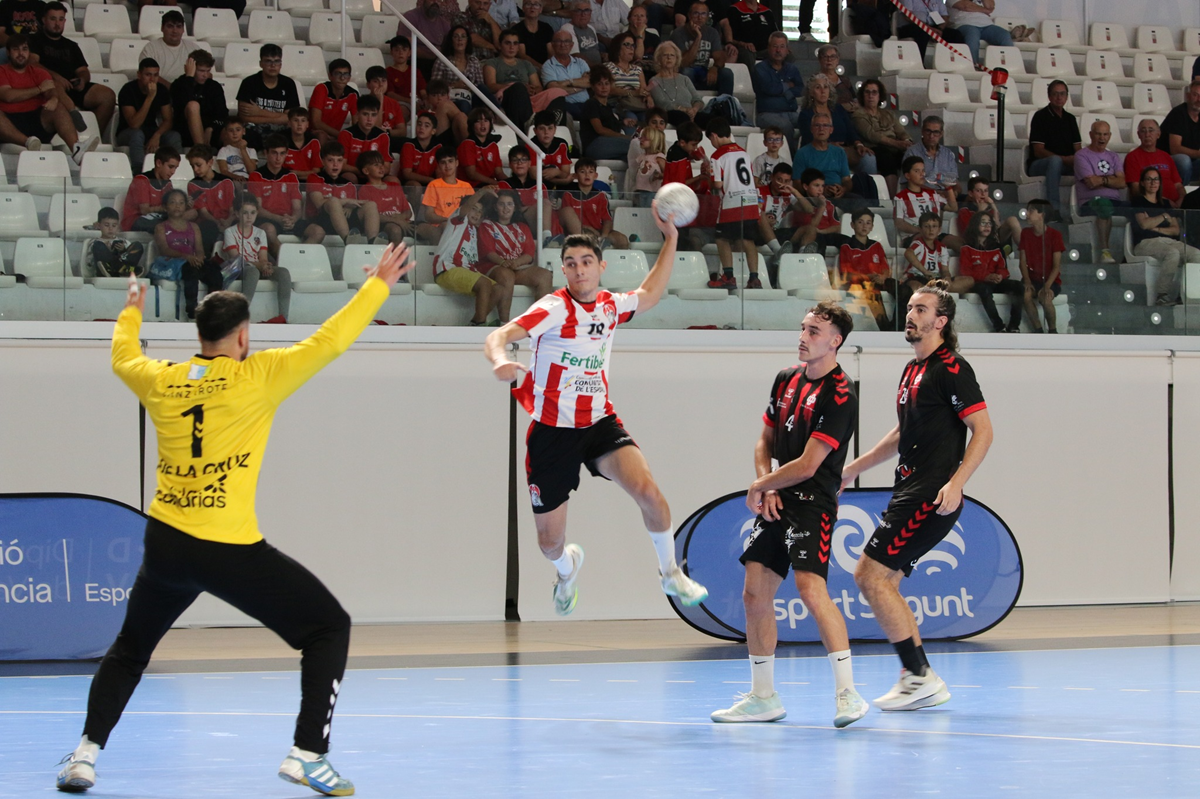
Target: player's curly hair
[[945, 307], [836, 315]]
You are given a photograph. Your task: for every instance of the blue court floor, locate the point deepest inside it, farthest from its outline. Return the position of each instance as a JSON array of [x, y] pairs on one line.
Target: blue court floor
[[1121, 722]]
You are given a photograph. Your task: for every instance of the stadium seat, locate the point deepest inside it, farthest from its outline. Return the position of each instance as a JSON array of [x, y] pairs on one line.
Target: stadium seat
[[363, 58], [1101, 95], [357, 9], [806, 276], [91, 52], [901, 56], [1191, 43], [113, 80], [44, 264], [743, 89], [241, 59], [1060, 33], [625, 271], [105, 23], [1153, 68], [150, 21], [44, 172], [301, 8], [948, 90], [1155, 39], [878, 232], [1103, 65], [1108, 36], [690, 272], [377, 30], [1007, 57], [124, 55], [325, 31], [304, 64], [92, 128], [946, 60], [638, 222], [71, 213], [268, 25], [310, 268], [105, 174], [1053, 62], [1151, 98], [217, 26]]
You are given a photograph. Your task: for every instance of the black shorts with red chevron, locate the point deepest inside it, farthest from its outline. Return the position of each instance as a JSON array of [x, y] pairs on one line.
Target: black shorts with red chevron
[[800, 540], [910, 528]]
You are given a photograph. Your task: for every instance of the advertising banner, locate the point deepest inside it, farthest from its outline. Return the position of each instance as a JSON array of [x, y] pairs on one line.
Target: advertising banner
[[966, 584], [67, 564]]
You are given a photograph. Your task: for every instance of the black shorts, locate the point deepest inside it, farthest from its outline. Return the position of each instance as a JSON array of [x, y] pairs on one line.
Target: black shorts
[[353, 220], [554, 454], [77, 95], [30, 123], [736, 231], [801, 540], [911, 527], [1055, 288]]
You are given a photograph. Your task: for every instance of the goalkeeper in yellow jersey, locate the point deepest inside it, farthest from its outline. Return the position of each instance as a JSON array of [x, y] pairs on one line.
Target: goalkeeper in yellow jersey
[[213, 414]]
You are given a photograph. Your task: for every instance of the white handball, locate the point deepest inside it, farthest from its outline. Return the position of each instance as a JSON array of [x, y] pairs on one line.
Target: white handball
[[678, 200]]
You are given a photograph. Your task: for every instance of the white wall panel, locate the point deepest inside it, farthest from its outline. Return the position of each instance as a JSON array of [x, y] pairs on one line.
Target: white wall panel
[[1185, 574]]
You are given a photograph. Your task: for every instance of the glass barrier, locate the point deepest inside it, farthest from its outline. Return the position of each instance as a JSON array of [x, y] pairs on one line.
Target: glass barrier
[[67, 244]]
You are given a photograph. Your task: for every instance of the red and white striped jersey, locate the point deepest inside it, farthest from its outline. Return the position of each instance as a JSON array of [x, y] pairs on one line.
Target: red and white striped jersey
[[459, 246], [508, 241], [935, 259], [739, 195], [571, 341], [911, 204]]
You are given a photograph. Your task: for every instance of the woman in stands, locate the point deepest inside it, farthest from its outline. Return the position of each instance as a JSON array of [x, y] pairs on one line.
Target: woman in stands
[[829, 59], [645, 39], [817, 98], [981, 260], [863, 267], [973, 19], [457, 47], [506, 252], [670, 91], [512, 80], [533, 34], [877, 127], [1155, 231], [629, 82]]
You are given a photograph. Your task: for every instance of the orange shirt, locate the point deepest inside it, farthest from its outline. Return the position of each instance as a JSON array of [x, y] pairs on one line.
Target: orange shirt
[[444, 198]]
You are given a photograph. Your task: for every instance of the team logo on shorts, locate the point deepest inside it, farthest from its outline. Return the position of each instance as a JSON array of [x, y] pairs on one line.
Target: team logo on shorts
[[535, 496], [792, 537]]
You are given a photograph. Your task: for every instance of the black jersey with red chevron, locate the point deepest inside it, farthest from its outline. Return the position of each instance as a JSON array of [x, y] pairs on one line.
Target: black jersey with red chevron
[[935, 395]]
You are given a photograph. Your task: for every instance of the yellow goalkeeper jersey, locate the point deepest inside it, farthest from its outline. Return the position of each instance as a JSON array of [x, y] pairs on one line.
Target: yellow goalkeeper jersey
[[213, 417]]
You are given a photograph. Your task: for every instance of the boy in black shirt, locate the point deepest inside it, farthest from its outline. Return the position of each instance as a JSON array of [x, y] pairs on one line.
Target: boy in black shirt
[[199, 101]]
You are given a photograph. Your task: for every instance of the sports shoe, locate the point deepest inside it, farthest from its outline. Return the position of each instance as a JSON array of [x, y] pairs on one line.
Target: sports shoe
[[565, 592], [275, 320], [33, 143], [78, 773], [716, 282], [316, 774], [78, 120], [754, 283], [82, 147], [678, 584], [751, 707], [1106, 256], [850, 708], [728, 282], [913, 692]]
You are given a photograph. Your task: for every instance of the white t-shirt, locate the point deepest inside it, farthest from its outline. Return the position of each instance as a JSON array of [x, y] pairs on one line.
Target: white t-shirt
[[171, 60], [233, 157], [248, 247]]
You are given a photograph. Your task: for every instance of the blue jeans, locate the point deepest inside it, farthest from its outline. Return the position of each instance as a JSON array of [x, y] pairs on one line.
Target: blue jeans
[[1188, 167], [868, 165], [699, 76], [135, 140], [992, 34], [1052, 168]]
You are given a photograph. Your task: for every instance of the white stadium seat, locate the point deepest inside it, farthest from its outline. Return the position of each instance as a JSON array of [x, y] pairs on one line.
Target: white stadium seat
[[304, 64], [1155, 39], [91, 52], [44, 264], [310, 269], [268, 25], [150, 21], [1153, 68], [241, 59], [217, 26], [947, 90], [105, 22], [1007, 57], [105, 174], [377, 30], [638, 222], [1101, 95], [806, 276], [358, 9], [625, 271], [1054, 62], [901, 56], [1151, 98], [1109, 36], [363, 58], [1060, 33], [71, 213], [1191, 42], [44, 172], [325, 31], [124, 55], [301, 8], [946, 60]]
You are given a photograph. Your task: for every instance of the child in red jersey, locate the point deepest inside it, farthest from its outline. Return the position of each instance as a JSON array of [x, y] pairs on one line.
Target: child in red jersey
[[479, 154], [278, 191], [507, 252], [524, 182], [332, 102], [585, 210], [915, 199], [395, 214], [392, 115], [737, 222], [363, 136], [557, 171], [333, 204], [304, 151], [211, 196], [816, 218], [979, 201], [1041, 250], [456, 264], [418, 156], [981, 260], [143, 207], [398, 76], [863, 267]]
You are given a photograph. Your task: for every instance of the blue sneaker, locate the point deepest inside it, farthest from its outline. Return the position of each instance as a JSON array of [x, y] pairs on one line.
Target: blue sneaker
[[78, 773], [316, 774]]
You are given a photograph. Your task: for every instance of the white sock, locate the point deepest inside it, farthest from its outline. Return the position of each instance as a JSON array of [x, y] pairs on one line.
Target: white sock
[[664, 547], [843, 672], [762, 675], [565, 563], [774, 245], [304, 754], [87, 750]]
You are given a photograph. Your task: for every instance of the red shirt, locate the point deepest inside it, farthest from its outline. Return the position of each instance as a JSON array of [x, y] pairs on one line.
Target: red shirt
[[556, 153], [526, 191], [356, 143], [306, 158], [828, 217], [679, 164], [401, 82], [423, 162], [592, 210], [858, 263], [391, 115], [339, 187], [275, 193], [508, 241], [143, 190], [1039, 252], [1138, 159], [389, 198], [216, 197], [29, 78], [979, 264], [484, 157], [333, 110]]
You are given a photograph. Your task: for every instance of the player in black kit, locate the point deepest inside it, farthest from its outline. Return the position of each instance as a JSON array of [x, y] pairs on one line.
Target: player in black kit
[[937, 402], [808, 422]]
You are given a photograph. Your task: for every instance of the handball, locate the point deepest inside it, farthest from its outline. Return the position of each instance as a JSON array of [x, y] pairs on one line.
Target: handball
[[678, 200]]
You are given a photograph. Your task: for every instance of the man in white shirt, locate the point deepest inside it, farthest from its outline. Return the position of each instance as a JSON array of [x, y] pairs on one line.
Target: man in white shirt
[[608, 18], [171, 51]]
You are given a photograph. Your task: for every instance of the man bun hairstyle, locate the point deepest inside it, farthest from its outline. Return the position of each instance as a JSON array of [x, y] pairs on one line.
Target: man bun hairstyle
[[945, 307]]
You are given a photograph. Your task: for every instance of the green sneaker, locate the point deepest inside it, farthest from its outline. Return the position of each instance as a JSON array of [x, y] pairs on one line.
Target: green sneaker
[[678, 584], [850, 708], [565, 592], [751, 707]]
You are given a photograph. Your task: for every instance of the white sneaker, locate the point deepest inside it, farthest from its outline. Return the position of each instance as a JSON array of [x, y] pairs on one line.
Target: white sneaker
[[317, 774], [1106, 257], [751, 707], [678, 584], [33, 143], [84, 146], [913, 692], [850, 708], [565, 592], [78, 773]]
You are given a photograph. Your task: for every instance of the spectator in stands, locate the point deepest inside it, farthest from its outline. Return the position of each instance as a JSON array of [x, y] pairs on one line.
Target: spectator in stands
[[1148, 154], [247, 241], [177, 238], [143, 208], [458, 48], [433, 22], [332, 102], [915, 199], [506, 13], [941, 161], [395, 214], [586, 40], [485, 32], [863, 267], [513, 81], [776, 223], [507, 252], [672, 92], [979, 201], [747, 31], [872, 18], [1182, 129], [764, 163], [557, 170], [110, 255], [198, 101], [1098, 182], [479, 159], [567, 72], [604, 136], [648, 169], [928, 258], [278, 191], [818, 99], [265, 97], [608, 18], [63, 59], [645, 38], [585, 210], [1155, 231], [364, 136], [877, 126], [718, 10], [806, 17], [931, 12], [1041, 250], [418, 156], [973, 20], [699, 43], [815, 217], [457, 266], [20, 16], [210, 196], [304, 151], [147, 119], [830, 160], [333, 204], [841, 91], [451, 120], [236, 159], [442, 197], [172, 50], [523, 181], [981, 260], [629, 88], [32, 104], [1053, 141], [392, 115], [533, 34], [777, 89], [398, 75]]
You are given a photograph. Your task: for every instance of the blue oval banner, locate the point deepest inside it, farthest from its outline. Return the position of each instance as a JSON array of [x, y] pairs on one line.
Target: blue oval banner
[[967, 584], [67, 564]]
